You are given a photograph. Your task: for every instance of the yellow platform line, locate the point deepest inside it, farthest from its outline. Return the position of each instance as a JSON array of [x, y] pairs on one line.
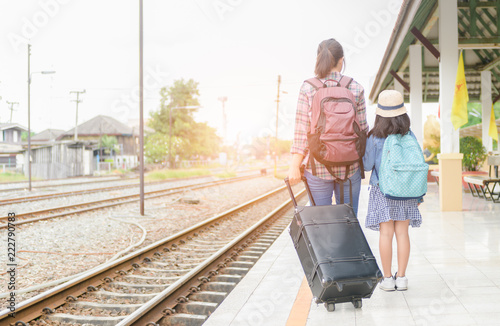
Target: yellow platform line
[[300, 310]]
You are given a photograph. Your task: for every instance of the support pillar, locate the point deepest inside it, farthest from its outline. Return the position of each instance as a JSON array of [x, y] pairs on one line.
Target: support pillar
[[416, 91], [450, 159], [450, 181], [486, 105]]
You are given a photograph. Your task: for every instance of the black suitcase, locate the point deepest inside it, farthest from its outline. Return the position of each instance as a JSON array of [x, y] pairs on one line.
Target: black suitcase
[[336, 258]]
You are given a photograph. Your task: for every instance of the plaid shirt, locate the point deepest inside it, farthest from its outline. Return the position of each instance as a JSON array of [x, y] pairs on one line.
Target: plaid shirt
[[303, 123]]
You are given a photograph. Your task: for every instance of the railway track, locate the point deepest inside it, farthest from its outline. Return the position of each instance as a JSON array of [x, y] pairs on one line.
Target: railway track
[[25, 199], [34, 216], [110, 179], [175, 281]]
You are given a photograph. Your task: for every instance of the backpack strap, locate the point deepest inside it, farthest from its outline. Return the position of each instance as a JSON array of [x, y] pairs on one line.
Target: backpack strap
[[314, 82], [313, 165], [345, 81]]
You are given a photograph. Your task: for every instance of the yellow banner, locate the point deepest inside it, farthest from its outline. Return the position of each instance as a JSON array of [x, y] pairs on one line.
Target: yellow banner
[[459, 115], [493, 131]]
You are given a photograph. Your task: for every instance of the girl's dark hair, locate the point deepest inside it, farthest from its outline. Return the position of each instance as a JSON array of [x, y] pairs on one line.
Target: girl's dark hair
[[329, 53], [389, 126]]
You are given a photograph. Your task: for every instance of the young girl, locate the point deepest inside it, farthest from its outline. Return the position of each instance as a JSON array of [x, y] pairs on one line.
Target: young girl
[[384, 214]]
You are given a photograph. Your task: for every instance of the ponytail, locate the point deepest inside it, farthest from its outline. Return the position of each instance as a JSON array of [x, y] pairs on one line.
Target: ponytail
[[329, 53]]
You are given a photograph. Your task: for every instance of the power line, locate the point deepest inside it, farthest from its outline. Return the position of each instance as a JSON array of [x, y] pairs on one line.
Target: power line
[[77, 101], [11, 108]]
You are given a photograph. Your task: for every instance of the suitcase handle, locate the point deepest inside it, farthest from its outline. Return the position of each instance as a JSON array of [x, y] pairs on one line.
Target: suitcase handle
[[287, 182]]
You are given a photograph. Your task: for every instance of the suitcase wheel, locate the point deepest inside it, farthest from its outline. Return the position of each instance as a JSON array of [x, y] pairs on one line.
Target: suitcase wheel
[[357, 303], [330, 306]]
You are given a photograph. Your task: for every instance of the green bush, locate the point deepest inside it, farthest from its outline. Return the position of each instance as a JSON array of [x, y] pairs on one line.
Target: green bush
[[474, 153]]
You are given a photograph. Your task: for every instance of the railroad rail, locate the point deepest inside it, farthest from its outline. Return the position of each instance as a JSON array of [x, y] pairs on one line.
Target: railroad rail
[[18, 200], [29, 217], [180, 279], [108, 179]]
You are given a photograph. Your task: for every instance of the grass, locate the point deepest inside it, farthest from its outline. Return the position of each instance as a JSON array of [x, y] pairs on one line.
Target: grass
[[11, 177], [175, 174]]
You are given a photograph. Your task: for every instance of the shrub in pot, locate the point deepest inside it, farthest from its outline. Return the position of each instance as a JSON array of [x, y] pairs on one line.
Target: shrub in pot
[[474, 153]]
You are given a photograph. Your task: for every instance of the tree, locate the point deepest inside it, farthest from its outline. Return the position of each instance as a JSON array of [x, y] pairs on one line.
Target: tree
[[108, 143], [189, 138]]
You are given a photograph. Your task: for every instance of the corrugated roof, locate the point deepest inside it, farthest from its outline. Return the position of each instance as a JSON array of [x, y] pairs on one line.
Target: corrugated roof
[[47, 134], [100, 125]]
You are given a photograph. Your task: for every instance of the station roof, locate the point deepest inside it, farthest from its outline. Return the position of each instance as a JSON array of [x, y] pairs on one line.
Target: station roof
[[479, 38]]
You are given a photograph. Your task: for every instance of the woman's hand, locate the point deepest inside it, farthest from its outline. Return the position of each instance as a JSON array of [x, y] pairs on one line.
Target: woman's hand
[[294, 175]]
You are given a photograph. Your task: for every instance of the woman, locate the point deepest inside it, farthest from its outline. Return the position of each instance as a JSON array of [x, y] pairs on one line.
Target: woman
[[329, 64]]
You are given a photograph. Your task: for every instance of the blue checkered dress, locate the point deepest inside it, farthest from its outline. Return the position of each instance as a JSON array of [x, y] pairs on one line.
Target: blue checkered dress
[[382, 209]]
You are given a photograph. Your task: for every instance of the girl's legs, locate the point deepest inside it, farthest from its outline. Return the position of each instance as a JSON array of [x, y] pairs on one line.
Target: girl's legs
[[403, 242], [385, 246]]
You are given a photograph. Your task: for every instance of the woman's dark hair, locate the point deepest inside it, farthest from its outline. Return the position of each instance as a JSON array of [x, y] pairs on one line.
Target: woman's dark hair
[[389, 126], [329, 53]]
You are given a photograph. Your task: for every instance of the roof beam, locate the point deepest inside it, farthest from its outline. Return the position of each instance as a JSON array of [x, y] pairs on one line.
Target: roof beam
[[425, 42], [480, 4], [473, 18], [498, 19], [400, 80], [491, 64], [470, 43]]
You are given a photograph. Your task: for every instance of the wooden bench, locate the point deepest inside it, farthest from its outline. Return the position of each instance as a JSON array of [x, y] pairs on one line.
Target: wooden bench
[[483, 186]]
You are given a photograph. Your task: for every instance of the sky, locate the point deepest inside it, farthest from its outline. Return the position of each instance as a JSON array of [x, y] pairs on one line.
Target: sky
[[232, 48]]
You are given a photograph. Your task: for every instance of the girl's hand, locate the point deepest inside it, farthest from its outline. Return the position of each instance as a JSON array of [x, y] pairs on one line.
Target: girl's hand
[[294, 175]]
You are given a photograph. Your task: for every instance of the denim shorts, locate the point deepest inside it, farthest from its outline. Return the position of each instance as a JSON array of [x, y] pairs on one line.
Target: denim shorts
[[323, 190]]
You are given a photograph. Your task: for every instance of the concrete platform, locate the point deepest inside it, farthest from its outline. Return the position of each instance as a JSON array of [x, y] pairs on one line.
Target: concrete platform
[[454, 277]]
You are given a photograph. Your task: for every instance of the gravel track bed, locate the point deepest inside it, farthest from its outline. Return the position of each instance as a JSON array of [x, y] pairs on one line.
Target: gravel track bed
[[74, 244], [76, 199], [229, 228]]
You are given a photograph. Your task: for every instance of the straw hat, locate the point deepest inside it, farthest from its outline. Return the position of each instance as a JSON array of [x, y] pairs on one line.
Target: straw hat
[[390, 104]]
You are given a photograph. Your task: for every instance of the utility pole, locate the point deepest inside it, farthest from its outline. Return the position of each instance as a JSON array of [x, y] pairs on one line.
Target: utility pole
[[77, 101], [223, 99], [11, 108], [276, 139], [29, 124], [141, 107]]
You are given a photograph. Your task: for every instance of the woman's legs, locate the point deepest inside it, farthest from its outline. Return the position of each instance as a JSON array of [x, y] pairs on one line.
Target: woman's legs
[[356, 188], [385, 246], [403, 242], [322, 190]]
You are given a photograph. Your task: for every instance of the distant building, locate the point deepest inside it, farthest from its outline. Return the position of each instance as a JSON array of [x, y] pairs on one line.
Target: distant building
[[11, 146], [93, 130], [48, 135], [61, 159]]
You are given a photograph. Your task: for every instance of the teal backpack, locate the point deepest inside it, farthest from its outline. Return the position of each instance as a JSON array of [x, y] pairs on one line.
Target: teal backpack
[[403, 171]]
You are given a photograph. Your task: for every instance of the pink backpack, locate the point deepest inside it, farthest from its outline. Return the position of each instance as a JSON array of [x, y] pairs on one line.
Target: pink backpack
[[335, 137]]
